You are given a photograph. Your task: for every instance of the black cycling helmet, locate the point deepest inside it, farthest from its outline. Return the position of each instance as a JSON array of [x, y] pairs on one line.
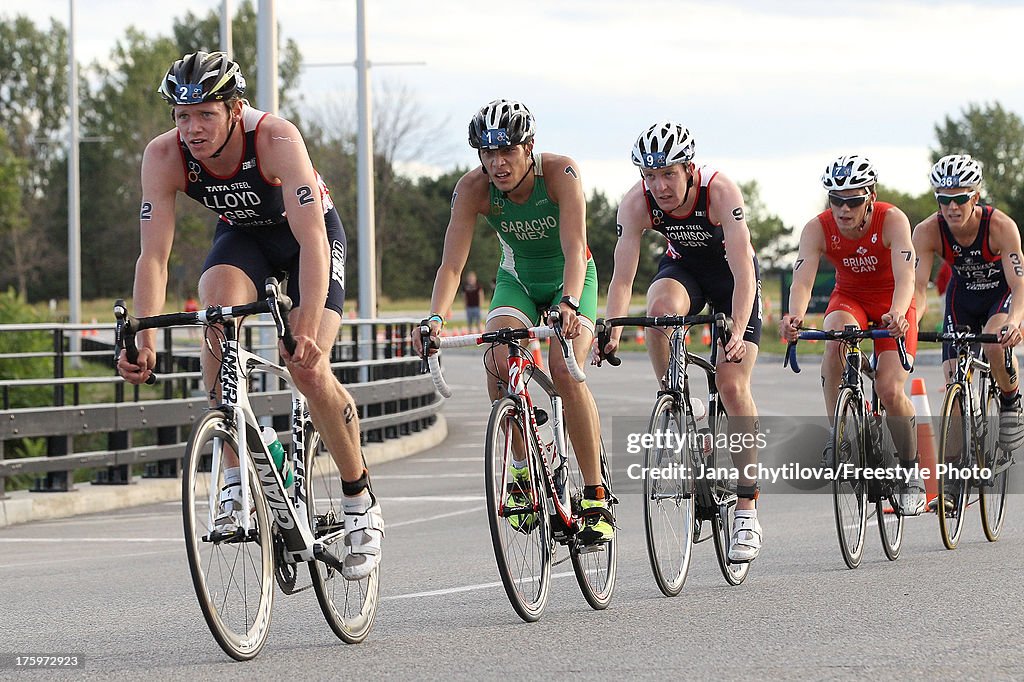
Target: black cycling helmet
[[501, 123], [202, 77]]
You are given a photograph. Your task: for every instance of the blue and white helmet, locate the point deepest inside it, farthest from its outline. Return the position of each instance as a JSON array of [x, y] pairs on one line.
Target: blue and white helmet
[[956, 170], [501, 123], [663, 144], [849, 171]]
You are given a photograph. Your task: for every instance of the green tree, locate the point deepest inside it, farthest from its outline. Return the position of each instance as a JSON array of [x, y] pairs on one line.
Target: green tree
[[19, 246], [995, 136], [917, 207], [33, 99], [769, 236]]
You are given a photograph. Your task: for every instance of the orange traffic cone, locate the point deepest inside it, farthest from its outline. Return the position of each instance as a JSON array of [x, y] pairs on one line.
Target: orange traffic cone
[[927, 457], [640, 338], [538, 356], [705, 336]]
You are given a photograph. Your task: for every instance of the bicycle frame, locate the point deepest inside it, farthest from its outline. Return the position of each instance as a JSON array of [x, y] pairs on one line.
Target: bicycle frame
[[520, 372], [289, 511]]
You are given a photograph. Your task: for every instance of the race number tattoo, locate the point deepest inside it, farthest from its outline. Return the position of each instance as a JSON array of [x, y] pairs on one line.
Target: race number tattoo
[[569, 170], [1017, 269], [305, 195], [906, 255], [799, 262], [147, 211], [917, 261], [350, 413], [618, 229], [737, 213], [455, 195]]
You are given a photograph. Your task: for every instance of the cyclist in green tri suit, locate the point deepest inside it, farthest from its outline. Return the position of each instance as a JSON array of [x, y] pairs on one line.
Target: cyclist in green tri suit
[[535, 203]]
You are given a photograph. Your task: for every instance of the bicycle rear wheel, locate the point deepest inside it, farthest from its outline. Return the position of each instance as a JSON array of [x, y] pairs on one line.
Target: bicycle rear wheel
[[724, 499], [849, 489], [349, 606], [521, 540], [954, 451], [890, 525], [594, 565], [233, 576], [992, 490], [669, 516]]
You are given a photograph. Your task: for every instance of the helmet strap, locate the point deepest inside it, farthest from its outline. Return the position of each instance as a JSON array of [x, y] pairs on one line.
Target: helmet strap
[[231, 130]]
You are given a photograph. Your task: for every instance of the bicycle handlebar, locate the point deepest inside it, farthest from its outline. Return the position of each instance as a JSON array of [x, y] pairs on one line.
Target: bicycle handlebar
[[963, 336], [127, 326], [603, 328], [507, 336], [845, 335]]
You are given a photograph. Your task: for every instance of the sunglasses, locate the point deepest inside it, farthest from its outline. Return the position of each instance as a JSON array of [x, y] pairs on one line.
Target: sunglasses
[[852, 202], [958, 199]]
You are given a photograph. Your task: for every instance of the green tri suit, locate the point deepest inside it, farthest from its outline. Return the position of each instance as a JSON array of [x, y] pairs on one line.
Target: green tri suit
[[529, 278]]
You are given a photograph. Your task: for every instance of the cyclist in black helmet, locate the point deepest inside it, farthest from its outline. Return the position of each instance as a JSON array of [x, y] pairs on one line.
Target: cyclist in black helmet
[[252, 168]]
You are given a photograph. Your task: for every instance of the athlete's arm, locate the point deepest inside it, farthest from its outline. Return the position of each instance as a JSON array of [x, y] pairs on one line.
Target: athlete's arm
[[812, 245], [162, 177], [469, 199], [726, 208], [631, 220], [562, 177], [926, 245], [1004, 239], [896, 237], [283, 156]]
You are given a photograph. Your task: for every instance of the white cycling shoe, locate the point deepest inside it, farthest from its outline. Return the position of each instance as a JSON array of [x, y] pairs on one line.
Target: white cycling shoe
[[364, 531], [746, 538]]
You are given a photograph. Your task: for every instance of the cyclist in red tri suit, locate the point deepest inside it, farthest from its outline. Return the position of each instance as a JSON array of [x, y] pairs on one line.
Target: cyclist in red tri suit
[[275, 214], [986, 293], [869, 243]]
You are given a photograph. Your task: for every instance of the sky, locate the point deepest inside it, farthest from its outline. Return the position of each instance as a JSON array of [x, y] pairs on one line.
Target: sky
[[771, 91]]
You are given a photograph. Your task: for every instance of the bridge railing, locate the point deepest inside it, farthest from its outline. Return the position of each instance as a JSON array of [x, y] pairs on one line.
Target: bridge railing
[[149, 426]]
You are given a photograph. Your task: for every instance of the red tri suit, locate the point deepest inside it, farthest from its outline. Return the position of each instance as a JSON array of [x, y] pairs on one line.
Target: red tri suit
[[864, 279]]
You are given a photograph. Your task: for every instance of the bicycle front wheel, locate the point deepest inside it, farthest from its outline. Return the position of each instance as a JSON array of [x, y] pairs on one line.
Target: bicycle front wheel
[[954, 455], [516, 512], [594, 565], [349, 606], [724, 500], [992, 488], [233, 574], [849, 488], [669, 518]]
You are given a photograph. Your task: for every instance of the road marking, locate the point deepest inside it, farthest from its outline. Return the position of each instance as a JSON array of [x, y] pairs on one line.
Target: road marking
[[105, 558], [378, 477], [425, 519], [17, 540], [456, 590]]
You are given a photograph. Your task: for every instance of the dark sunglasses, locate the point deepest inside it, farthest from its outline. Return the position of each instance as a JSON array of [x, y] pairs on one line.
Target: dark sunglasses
[[958, 199], [852, 202]]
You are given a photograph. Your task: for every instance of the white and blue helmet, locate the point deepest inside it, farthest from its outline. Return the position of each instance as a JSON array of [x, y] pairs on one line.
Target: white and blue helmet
[[849, 171], [663, 144], [956, 170]]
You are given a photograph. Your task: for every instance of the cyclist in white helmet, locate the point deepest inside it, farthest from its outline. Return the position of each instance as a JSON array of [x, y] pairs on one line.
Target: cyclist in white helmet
[[986, 293], [868, 242], [701, 214], [535, 203]]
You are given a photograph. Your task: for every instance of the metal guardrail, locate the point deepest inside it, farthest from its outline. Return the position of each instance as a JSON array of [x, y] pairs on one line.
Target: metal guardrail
[[372, 357]]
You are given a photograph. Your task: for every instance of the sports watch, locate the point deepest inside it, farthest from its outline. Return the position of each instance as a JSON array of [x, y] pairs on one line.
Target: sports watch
[[572, 302]]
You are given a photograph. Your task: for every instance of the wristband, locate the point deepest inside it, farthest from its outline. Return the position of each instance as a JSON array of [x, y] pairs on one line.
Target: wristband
[[435, 316]]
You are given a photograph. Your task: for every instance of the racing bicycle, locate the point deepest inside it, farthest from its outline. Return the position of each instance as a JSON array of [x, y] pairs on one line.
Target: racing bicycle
[[689, 448], [981, 464], [529, 521], [234, 570], [858, 442]]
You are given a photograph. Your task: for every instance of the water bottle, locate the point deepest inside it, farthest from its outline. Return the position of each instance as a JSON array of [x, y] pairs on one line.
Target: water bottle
[[277, 454]]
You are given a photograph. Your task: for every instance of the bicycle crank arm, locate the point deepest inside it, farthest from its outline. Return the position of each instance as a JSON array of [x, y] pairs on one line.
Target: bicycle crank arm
[[320, 553]]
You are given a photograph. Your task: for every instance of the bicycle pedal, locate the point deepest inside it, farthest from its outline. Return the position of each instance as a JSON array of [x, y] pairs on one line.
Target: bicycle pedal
[[590, 549]]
